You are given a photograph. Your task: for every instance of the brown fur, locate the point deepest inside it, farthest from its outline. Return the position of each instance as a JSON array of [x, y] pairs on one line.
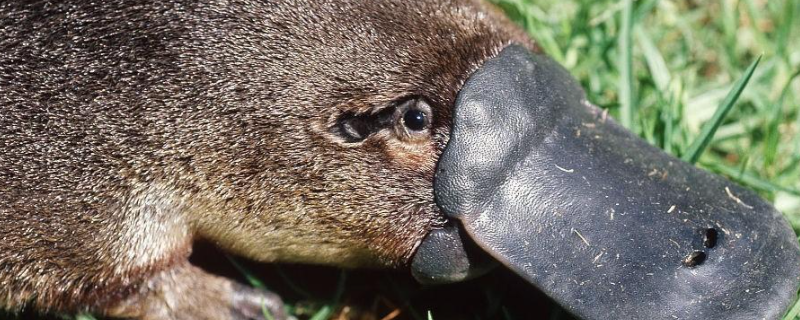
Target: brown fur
[[130, 128]]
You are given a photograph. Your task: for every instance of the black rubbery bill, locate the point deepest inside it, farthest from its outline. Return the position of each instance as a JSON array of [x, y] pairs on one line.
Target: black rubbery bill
[[607, 225]]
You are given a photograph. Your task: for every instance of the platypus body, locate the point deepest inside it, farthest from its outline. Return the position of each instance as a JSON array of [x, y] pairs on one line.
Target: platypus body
[[128, 129], [350, 133]]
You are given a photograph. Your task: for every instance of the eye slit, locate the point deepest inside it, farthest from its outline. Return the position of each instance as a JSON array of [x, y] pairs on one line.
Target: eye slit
[[355, 128], [415, 119], [352, 128]]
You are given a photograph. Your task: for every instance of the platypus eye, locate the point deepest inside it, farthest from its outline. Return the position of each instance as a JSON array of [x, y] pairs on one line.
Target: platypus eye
[[410, 119], [413, 118]]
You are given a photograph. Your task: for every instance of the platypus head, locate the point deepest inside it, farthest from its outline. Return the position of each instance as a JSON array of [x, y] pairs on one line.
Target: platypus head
[[332, 117], [433, 134]]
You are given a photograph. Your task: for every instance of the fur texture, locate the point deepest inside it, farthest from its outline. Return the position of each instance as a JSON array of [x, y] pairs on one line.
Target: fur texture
[[128, 129]]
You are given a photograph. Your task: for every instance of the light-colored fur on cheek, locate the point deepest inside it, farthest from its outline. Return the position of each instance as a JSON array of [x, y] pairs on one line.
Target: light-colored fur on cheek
[[155, 228]]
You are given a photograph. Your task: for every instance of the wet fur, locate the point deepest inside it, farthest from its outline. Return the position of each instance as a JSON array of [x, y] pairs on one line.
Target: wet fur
[[128, 129]]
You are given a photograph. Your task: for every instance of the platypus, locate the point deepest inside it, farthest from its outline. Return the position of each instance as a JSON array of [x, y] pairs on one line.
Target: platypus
[[432, 135]]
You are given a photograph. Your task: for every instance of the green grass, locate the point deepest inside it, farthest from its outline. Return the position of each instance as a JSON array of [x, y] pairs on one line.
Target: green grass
[[668, 71]]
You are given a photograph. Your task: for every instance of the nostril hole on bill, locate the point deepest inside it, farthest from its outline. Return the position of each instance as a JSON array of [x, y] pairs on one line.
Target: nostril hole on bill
[[711, 237], [694, 259]]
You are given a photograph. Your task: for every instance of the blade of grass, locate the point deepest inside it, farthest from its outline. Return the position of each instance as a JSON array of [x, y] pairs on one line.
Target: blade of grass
[[84, 316], [773, 134], [626, 93], [743, 166], [672, 115], [324, 313], [785, 29], [794, 311], [288, 281], [265, 311], [327, 310], [748, 179], [755, 13], [793, 165], [707, 133], [251, 279], [337, 297], [545, 38], [607, 14], [644, 8], [655, 61], [648, 126], [730, 27]]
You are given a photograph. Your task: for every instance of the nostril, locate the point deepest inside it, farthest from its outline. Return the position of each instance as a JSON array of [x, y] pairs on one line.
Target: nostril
[[694, 259], [711, 236]]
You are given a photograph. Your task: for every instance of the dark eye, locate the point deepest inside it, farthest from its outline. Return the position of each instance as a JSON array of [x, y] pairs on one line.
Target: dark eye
[[415, 119]]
